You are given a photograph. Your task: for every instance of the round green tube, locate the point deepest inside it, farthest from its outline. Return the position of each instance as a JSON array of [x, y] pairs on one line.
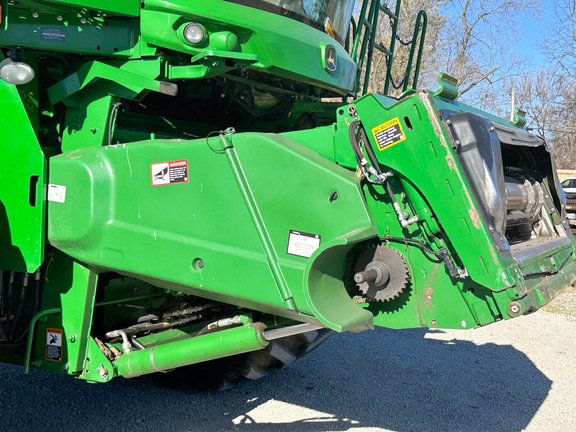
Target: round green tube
[[198, 349]]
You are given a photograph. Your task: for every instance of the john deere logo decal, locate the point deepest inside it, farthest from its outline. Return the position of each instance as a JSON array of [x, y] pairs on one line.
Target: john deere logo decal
[[330, 59]]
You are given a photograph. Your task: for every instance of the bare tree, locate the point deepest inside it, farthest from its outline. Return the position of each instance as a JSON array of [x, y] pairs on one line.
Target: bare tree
[[406, 24], [560, 47], [560, 43], [477, 39], [563, 130], [539, 94]]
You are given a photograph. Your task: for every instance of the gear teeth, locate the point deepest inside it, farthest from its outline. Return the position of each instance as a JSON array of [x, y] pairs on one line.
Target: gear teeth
[[396, 265]]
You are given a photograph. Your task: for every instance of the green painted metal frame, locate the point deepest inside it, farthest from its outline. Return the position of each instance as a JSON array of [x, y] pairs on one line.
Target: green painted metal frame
[[23, 174], [115, 220]]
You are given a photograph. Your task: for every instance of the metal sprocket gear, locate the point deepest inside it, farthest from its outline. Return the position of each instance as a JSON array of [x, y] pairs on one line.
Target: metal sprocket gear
[[390, 269]]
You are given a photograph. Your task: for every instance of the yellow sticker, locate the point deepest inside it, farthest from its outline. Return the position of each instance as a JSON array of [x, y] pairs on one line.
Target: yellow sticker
[[388, 134]]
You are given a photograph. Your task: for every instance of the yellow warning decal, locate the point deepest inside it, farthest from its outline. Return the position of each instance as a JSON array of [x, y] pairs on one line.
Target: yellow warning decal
[[388, 134]]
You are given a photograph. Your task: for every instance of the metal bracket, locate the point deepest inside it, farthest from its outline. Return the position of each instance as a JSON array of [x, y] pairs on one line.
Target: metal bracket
[[448, 87]]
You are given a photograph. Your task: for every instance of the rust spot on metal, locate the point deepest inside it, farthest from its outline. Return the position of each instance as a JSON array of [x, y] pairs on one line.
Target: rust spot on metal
[[428, 294], [494, 257], [429, 287], [475, 218], [427, 102], [438, 129]]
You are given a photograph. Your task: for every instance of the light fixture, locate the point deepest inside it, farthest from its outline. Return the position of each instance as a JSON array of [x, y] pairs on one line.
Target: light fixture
[[16, 72], [194, 33]]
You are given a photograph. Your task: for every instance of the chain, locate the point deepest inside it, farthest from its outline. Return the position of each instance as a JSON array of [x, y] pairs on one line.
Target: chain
[[403, 42], [396, 87]]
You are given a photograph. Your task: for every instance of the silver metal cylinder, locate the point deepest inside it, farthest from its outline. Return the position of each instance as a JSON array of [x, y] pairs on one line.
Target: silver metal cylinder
[[289, 331], [516, 194]]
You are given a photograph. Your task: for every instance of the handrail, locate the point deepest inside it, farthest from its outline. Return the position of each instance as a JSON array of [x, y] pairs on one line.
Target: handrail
[[419, 28], [362, 35]]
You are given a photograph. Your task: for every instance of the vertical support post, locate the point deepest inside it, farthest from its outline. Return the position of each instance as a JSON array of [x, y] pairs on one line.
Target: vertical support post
[[77, 310], [512, 110]]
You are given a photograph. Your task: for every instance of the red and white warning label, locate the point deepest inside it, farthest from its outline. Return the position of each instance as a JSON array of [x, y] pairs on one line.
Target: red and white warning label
[[54, 344], [164, 173]]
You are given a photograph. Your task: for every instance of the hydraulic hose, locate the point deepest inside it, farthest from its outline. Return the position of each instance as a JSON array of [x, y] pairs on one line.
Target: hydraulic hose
[[374, 168]]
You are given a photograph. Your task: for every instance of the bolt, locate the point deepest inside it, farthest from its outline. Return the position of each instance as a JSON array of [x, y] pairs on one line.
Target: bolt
[[514, 309], [492, 129], [59, 17], [83, 20], [365, 276], [72, 338], [103, 371], [333, 196], [433, 323], [200, 264], [35, 14]]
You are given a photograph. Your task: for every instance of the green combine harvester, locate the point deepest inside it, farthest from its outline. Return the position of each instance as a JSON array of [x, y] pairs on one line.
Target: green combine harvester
[[192, 181]]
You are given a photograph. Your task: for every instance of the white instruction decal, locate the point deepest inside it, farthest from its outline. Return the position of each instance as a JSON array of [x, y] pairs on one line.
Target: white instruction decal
[[174, 172], [302, 244], [56, 193], [54, 344]]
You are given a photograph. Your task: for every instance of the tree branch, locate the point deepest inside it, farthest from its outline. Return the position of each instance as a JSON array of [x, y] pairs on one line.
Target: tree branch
[[475, 82]]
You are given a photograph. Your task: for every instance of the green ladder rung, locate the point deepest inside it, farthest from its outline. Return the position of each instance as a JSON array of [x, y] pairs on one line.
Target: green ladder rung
[[383, 49]]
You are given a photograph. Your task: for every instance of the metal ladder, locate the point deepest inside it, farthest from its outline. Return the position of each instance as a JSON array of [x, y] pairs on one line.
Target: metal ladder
[[368, 21]]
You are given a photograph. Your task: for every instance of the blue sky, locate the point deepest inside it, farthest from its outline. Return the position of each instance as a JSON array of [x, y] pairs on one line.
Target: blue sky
[[533, 32]]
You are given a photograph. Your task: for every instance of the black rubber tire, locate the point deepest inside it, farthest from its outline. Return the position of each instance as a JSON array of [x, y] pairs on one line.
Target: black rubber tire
[[223, 373]]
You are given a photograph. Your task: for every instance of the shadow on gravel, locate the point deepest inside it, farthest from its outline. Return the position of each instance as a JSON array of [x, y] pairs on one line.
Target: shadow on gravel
[[393, 380]]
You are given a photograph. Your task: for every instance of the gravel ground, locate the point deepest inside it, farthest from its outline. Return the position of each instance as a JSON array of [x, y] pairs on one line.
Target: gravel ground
[[511, 376]]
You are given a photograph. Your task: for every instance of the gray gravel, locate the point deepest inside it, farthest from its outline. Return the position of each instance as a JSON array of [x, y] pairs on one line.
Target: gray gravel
[[510, 376]]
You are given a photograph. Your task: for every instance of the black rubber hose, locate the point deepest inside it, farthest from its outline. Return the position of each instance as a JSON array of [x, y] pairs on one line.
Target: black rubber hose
[[21, 303], [112, 119], [36, 304], [354, 141], [3, 336], [370, 151], [9, 304], [438, 254], [442, 254]]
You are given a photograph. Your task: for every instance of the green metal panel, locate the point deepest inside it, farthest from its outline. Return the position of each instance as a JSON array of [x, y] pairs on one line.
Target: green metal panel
[[268, 222], [77, 32], [22, 174], [234, 213], [68, 296], [285, 47], [124, 7], [444, 185]]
